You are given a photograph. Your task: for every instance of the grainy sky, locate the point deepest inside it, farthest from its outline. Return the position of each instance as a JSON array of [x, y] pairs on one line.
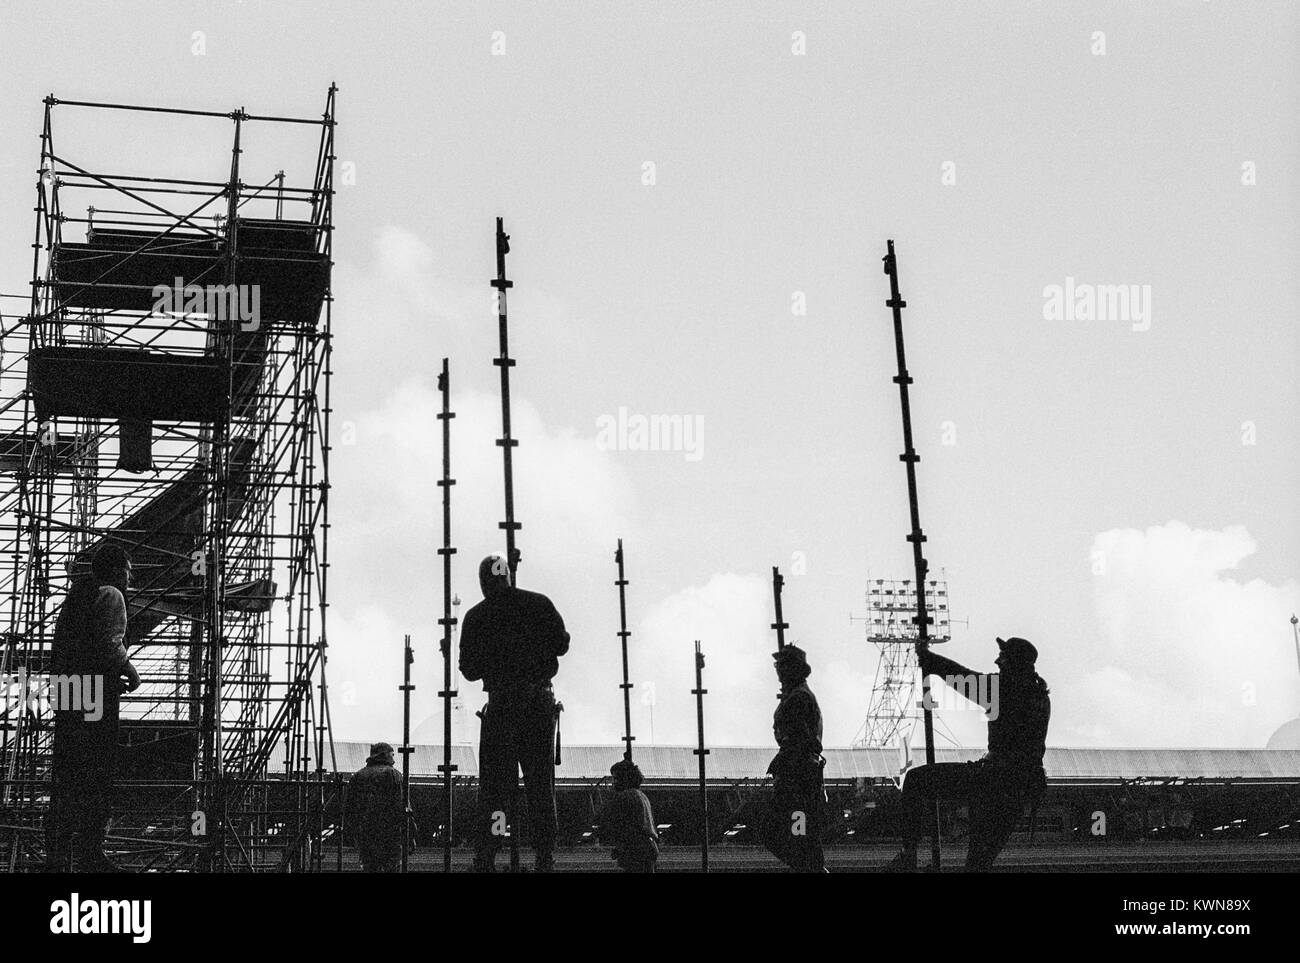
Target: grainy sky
[[1124, 498]]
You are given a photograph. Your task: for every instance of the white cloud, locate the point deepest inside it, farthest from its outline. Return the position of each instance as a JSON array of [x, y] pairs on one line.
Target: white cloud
[[1188, 655]]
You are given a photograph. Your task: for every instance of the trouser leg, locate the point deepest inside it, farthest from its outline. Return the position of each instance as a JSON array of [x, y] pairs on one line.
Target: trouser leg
[[995, 812], [791, 826], [923, 785], [498, 768], [537, 757]]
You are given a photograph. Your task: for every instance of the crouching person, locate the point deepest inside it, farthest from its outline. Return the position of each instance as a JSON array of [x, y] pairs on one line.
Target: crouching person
[[627, 823]]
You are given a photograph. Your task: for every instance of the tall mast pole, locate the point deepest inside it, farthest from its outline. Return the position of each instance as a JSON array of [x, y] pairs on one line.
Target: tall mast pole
[[504, 362], [447, 693], [623, 635], [700, 752], [408, 656], [916, 537], [507, 444]]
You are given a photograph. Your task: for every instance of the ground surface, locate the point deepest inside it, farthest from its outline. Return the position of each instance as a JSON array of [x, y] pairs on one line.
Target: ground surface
[[1197, 856]]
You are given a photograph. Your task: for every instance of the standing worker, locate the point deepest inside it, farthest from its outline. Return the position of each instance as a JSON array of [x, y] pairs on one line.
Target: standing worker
[[792, 830], [375, 813], [627, 823], [513, 641], [88, 645], [1008, 776]]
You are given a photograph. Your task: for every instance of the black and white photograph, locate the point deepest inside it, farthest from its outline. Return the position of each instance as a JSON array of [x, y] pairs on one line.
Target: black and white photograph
[[712, 440]]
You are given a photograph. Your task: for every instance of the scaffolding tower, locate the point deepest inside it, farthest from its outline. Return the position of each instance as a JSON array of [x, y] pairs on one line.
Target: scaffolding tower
[[168, 391], [891, 627]]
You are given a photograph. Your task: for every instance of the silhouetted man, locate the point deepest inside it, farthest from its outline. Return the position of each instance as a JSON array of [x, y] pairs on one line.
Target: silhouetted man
[[375, 813], [513, 641], [998, 785], [792, 827], [88, 645], [627, 823]]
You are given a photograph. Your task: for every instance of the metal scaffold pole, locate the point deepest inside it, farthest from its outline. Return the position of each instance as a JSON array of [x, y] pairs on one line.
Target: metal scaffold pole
[[700, 752], [408, 657], [447, 693], [507, 444], [780, 625], [504, 362], [916, 537], [623, 635]]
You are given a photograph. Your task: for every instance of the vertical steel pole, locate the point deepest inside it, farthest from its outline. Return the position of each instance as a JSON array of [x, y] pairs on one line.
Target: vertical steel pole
[[778, 583], [916, 537], [623, 637], [408, 656], [507, 444], [448, 620], [700, 752]]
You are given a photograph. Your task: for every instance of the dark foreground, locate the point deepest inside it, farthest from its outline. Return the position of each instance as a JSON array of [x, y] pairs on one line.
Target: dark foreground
[[1252, 856]]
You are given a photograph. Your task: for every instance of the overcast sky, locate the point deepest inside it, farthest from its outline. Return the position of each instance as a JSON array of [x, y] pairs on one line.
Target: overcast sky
[[1119, 490]]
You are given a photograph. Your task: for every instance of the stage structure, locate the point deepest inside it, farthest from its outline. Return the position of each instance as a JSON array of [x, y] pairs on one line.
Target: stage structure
[[169, 391]]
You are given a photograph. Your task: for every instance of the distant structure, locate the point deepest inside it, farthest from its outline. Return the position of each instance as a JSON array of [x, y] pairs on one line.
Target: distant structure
[[890, 624], [1288, 734], [169, 391]]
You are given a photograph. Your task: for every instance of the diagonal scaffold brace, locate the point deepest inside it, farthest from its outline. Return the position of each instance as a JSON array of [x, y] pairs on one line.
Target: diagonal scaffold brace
[[909, 457], [700, 752], [447, 693], [623, 635], [507, 443]]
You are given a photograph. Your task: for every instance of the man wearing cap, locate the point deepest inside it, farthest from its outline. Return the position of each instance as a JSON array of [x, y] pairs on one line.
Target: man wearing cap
[[997, 786], [88, 645], [792, 826], [375, 813], [627, 823], [513, 641]]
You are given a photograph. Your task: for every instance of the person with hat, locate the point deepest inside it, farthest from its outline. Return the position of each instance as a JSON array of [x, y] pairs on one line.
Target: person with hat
[[374, 816], [513, 641], [791, 829], [89, 645], [627, 823], [997, 786]]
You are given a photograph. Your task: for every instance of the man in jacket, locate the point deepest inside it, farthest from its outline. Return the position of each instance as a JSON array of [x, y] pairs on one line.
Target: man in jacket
[[513, 640], [793, 825], [88, 645], [375, 813], [997, 786]]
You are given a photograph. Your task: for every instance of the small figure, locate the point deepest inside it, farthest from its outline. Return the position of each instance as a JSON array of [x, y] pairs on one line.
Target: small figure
[[88, 644], [374, 816], [1010, 774], [792, 827], [627, 823], [513, 641]]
